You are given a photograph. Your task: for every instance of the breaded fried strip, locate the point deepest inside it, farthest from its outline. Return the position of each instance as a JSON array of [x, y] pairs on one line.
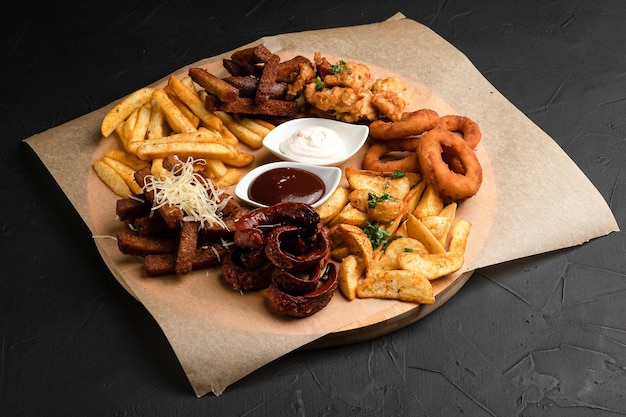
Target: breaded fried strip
[[205, 257], [214, 85], [234, 68], [247, 86], [150, 225], [267, 80], [186, 247], [132, 244], [247, 58], [171, 214], [272, 107], [131, 208]]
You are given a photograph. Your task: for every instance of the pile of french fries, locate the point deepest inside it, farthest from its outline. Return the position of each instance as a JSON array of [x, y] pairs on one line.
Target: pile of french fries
[[423, 239], [152, 123]]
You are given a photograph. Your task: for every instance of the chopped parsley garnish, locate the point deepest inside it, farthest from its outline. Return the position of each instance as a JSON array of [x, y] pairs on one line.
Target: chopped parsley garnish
[[373, 199], [337, 67], [376, 234], [319, 84], [397, 174]]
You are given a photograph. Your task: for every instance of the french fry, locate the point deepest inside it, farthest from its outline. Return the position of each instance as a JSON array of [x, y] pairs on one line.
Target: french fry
[[126, 158], [139, 129], [253, 140], [231, 177], [264, 123], [254, 126], [111, 178], [157, 127], [124, 108], [240, 160], [216, 167], [127, 173], [175, 118], [197, 150], [193, 102], [185, 110], [157, 169], [201, 135], [129, 125]]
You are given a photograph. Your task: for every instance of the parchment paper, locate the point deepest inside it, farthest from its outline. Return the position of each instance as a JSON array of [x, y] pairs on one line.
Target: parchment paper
[[535, 200]]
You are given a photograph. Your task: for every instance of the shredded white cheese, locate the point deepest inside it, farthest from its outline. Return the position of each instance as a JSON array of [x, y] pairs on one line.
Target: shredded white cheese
[[197, 197]]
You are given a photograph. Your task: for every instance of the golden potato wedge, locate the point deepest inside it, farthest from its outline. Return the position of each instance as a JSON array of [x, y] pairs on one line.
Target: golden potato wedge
[[430, 203], [417, 230], [124, 108], [350, 272], [438, 226], [386, 211], [458, 235], [397, 284], [335, 203], [359, 198], [398, 246], [432, 265], [414, 196], [378, 183], [350, 215], [355, 239], [449, 212]]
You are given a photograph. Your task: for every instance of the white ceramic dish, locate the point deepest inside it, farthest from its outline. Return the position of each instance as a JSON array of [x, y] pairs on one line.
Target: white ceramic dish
[[352, 135], [331, 176]]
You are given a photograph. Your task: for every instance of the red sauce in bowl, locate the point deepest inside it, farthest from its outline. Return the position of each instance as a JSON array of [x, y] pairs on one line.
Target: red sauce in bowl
[[286, 184]]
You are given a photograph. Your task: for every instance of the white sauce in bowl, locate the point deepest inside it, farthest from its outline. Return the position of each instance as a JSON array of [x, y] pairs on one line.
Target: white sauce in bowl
[[313, 144]]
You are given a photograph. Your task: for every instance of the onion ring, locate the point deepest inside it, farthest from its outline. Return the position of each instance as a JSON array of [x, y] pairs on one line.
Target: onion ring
[[412, 124], [465, 126], [374, 158], [452, 185]]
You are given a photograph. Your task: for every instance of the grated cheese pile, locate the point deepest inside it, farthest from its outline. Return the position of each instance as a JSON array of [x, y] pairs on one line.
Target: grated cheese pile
[[197, 197]]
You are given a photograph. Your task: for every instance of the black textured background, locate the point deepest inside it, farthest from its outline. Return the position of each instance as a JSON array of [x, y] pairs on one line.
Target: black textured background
[[544, 336]]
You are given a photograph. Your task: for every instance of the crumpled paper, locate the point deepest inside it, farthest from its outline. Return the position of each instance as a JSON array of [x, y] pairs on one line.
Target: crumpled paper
[[534, 199]]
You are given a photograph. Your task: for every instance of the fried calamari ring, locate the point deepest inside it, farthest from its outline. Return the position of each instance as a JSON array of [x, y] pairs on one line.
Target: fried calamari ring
[[465, 126], [412, 124], [452, 185], [379, 157]]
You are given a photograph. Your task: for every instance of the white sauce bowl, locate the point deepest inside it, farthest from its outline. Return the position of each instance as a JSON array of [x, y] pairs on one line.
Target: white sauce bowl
[[352, 135]]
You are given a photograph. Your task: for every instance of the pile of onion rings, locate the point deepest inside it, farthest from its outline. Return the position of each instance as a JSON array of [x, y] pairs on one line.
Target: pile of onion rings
[[440, 148]]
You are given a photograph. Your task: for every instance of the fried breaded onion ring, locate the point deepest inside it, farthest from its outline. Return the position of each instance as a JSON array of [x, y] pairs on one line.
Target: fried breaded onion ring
[[465, 126], [379, 157], [412, 124], [451, 185]]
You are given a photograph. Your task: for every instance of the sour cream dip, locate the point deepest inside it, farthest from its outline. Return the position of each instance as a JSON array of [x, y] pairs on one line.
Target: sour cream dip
[[313, 144]]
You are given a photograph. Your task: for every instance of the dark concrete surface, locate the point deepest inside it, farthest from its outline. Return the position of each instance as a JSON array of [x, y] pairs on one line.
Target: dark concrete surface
[[543, 336]]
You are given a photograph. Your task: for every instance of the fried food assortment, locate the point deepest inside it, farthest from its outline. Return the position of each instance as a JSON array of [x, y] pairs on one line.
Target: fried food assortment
[[396, 253], [347, 91], [152, 123], [180, 221], [388, 234], [440, 148]]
